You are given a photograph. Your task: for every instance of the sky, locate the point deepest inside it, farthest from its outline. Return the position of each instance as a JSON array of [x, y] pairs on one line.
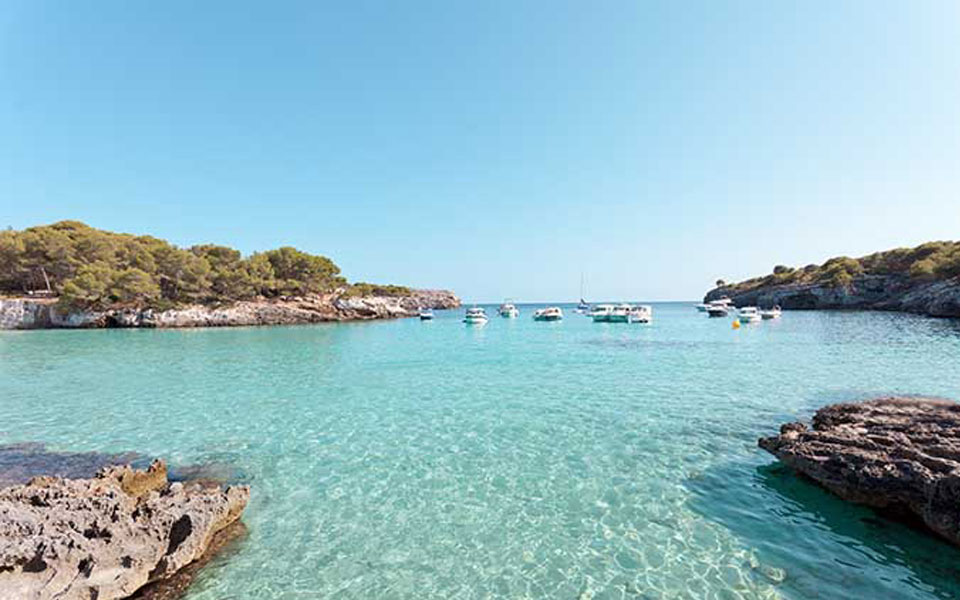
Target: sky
[[496, 148]]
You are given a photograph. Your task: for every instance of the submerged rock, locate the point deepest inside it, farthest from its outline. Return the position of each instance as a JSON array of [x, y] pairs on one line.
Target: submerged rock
[[901, 455], [108, 536]]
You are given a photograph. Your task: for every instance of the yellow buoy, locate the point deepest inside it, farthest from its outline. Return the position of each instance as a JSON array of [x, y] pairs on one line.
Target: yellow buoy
[[736, 323]]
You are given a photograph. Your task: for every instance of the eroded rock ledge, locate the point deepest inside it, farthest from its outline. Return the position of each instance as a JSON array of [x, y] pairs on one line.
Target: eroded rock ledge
[[108, 536], [21, 313], [901, 455]]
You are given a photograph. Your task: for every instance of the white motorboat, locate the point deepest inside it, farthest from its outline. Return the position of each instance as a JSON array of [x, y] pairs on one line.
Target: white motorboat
[[508, 310], [611, 313], [475, 316], [771, 313], [749, 314], [551, 313], [426, 314], [717, 310], [640, 314]]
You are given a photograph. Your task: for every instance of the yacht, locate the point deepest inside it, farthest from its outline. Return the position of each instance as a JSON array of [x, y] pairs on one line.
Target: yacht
[[748, 314], [718, 310], [508, 311], [611, 313], [426, 314], [771, 313], [475, 316], [640, 314], [551, 313], [583, 307]]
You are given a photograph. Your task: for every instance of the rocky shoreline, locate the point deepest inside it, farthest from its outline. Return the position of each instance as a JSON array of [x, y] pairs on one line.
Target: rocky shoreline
[[29, 313], [108, 536], [899, 455], [865, 292]]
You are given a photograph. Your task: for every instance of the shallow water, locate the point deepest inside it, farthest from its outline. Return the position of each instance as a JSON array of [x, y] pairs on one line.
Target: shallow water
[[520, 460]]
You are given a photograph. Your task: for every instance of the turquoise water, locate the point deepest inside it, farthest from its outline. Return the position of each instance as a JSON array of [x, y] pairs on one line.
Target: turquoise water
[[520, 460]]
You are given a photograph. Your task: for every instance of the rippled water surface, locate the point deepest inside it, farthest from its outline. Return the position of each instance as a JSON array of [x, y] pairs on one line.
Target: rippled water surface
[[520, 460]]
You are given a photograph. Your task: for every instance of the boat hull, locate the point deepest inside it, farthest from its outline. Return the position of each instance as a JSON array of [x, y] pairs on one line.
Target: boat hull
[[611, 319]]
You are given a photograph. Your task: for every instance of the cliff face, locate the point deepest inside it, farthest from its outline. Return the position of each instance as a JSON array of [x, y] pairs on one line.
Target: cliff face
[[872, 292], [44, 314]]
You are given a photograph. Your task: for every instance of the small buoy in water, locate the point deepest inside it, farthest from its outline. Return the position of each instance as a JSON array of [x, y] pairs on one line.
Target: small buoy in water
[[736, 323]]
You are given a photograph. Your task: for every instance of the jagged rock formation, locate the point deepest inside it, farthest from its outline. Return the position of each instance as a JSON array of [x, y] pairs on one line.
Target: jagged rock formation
[[106, 537], [871, 292], [901, 455], [45, 314]]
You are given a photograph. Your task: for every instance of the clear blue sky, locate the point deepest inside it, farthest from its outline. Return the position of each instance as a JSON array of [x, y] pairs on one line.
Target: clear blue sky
[[498, 148]]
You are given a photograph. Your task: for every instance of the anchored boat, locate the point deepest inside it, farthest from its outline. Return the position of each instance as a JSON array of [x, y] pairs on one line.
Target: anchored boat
[[640, 314], [475, 316], [771, 313], [508, 311], [551, 313], [611, 313]]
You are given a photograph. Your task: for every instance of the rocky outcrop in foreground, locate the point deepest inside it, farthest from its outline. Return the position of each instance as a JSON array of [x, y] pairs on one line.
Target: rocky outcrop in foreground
[[901, 455], [108, 536], [45, 314], [870, 292]]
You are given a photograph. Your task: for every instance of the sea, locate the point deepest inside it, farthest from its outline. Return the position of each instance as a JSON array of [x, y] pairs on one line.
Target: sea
[[520, 459]]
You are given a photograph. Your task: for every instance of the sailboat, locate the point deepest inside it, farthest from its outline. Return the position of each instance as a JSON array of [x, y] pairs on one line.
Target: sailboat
[[582, 308]]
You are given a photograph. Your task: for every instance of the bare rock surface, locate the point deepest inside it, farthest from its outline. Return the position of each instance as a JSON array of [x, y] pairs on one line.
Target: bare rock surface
[[20, 313], [107, 536], [901, 455]]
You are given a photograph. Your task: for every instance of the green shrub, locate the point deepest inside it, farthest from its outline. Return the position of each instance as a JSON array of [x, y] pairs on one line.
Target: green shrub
[[94, 268]]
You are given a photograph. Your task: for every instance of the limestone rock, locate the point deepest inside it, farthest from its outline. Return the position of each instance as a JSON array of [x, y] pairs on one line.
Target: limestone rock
[[108, 536], [897, 454], [44, 313], [873, 292]]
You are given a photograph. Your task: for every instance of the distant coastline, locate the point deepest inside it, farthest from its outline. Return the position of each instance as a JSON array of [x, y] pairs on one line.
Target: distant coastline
[[71, 275], [923, 280]]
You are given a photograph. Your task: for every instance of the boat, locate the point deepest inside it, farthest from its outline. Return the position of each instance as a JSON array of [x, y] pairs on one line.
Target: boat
[[771, 313], [583, 307], [475, 316], [611, 313], [550, 313], [718, 310], [640, 313], [508, 310], [426, 314], [749, 314]]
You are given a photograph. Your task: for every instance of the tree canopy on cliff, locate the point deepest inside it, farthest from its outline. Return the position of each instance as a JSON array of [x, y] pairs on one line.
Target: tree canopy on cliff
[[96, 269], [933, 261]]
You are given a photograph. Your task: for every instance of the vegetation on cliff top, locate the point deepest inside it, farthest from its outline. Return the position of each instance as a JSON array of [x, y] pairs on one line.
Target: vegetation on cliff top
[[92, 268], [933, 261]]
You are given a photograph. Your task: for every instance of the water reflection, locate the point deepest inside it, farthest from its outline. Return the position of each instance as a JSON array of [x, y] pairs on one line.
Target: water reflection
[[787, 518]]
